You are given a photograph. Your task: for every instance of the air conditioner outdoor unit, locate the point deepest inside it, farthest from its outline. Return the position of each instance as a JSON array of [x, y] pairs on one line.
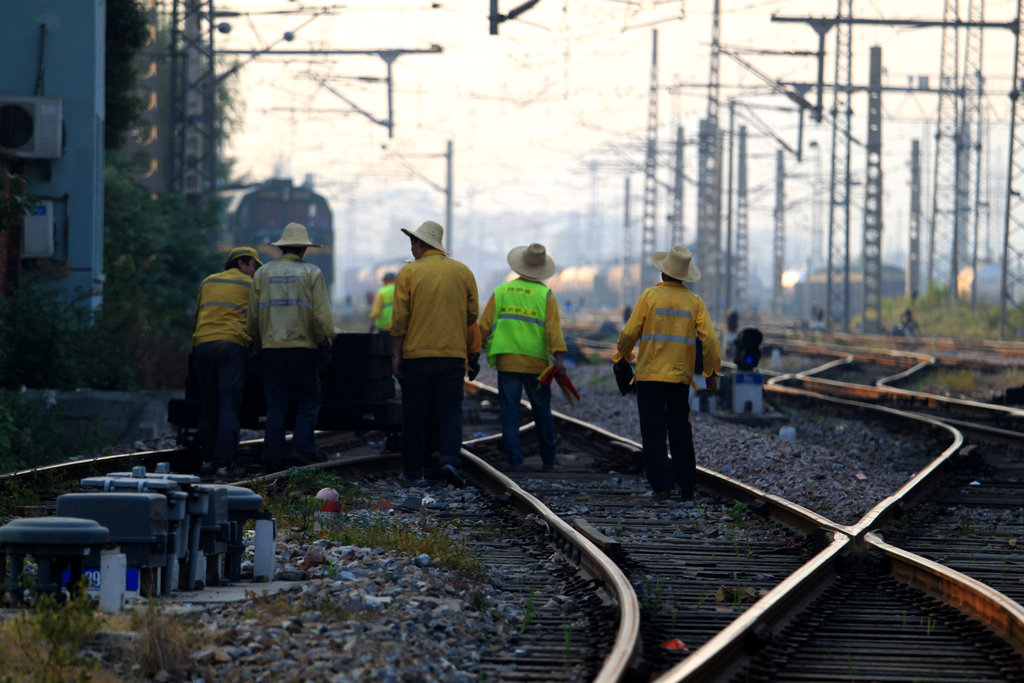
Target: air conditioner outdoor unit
[[31, 127]]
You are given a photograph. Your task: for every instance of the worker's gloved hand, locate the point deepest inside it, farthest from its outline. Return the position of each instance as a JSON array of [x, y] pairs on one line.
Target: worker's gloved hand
[[624, 376], [474, 366], [711, 383]]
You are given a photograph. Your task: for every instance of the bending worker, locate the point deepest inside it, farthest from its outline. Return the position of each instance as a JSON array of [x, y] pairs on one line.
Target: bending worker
[[220, 342]]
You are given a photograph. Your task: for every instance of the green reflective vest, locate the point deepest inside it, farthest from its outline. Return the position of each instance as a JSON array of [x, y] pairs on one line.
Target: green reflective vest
[[387, 306], [520, 310]]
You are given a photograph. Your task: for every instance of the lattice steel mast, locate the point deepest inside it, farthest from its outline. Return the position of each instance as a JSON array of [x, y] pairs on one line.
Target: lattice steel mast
[[742, 213], [709, 180], [837, 299], [872, 249], [648, 244], [971, 131], [779, 237], [193, 160], [945, 186], [913, 279]]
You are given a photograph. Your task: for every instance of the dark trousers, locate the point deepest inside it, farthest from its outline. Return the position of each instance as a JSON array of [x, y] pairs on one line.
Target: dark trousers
[[221, 369], [664, 409], [510, 391], [431, 389], [290, 380]]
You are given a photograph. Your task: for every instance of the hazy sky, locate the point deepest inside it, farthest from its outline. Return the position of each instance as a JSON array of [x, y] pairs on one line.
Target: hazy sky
[[550, 114]]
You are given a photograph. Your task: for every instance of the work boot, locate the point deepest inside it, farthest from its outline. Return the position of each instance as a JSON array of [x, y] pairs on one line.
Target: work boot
[[452, 476]]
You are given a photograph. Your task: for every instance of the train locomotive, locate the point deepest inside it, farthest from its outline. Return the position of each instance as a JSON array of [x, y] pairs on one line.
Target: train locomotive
[[255, 216]]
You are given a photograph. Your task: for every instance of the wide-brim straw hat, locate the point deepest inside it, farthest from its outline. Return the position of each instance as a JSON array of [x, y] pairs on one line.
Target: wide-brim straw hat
[[677, 263], [532, 262], [430, 232], [295, 235]]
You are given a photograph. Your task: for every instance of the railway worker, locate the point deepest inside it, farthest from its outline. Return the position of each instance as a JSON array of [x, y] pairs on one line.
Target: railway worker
[[290, 320], [435, 302], [383, 305], [219, 345], [522, 333], [667, 321]]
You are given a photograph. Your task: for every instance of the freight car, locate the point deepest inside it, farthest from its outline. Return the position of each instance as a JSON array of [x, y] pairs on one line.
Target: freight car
[[255, 216]]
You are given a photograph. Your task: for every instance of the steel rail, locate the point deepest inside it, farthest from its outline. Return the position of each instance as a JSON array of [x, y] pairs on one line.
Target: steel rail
[[982, 602], [576, 546]]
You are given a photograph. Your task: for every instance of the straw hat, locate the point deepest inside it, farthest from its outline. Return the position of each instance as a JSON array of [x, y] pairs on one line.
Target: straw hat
[[295, 235], [430, 232], [677, 263], [532, 262], [239, 252]]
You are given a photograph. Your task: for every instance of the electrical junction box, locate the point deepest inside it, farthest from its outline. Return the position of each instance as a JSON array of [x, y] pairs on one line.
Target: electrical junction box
[[748, 392], [39, 239], [31, 127]]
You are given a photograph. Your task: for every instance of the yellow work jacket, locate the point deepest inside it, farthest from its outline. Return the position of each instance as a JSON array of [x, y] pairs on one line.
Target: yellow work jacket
[[435, 301], [383, 306], [221, 308], [289, 306], [667, 321]]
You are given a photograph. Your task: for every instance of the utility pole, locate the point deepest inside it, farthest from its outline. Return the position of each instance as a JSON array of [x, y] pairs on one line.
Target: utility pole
[[779, 240], [872, 248], [742, 232], [626, 261], [676, 229], [913, 279]]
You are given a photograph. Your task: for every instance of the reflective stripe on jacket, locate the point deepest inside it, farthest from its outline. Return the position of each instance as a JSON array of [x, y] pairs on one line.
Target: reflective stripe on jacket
[[667, 321], [221, 308], [289, 306], [519, 318], [383, 306]]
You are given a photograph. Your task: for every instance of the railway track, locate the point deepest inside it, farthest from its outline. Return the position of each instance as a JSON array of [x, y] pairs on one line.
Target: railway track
[[743, 585]]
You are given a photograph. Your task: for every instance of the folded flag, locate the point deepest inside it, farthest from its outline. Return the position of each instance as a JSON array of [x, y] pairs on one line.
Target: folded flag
[[568, 388], [554, 373]]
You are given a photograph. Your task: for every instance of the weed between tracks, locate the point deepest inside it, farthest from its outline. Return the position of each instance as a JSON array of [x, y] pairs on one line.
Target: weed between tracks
[[359, 522]]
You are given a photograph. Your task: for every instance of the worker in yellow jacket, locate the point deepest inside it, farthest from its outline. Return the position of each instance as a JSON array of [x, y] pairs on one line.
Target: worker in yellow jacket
[[290, 317], [667, 321], [435, 303], [219, 352]]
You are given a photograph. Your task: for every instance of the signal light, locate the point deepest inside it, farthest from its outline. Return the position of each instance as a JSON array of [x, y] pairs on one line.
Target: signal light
[[748, 349]]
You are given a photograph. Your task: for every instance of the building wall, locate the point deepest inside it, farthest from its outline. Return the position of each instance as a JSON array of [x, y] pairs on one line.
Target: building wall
[[55, 48]]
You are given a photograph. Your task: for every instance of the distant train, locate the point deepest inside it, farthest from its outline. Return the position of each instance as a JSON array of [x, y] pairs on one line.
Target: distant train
[[255, 216]]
